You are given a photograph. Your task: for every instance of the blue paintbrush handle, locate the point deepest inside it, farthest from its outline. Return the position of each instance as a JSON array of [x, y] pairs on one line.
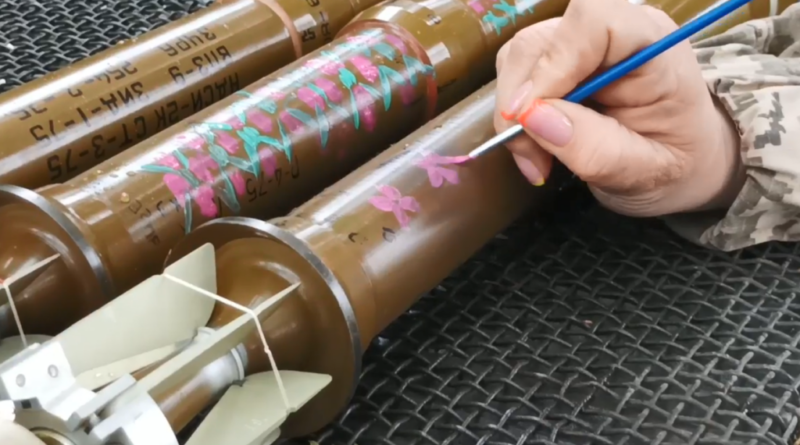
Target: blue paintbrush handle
[[635, 61], [624, 67]]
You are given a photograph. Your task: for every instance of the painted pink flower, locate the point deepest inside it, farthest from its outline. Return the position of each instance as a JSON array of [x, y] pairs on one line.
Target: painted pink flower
[[180, 187], [391, 200], [269, 163], [227, 141], [366, 106], [292, 123], [327, 66], [397, 42], [477, 6], [191, 140], [259, 120], [311, 98], [331, 90], [170, 161], [365, 67], [434, 164], [235, 122], [408, 93], [201, 165], [204, 197], [238, 182]]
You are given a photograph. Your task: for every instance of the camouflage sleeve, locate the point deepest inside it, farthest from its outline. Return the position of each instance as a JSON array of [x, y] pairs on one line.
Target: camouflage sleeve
[[754, 70]]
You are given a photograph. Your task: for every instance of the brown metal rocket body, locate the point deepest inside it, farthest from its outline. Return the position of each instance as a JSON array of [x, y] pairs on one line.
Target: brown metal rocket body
[[363, 250], [69, 121], [259, 152]]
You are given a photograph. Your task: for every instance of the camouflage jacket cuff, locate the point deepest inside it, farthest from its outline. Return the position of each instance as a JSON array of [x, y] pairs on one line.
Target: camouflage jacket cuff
[[754, 72]]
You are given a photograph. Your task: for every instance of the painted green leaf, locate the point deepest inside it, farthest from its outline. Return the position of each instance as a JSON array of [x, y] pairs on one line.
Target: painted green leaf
[[187, 213], [189, 177], [414, 66], [249, 167], [252, 154], [320, 92], [324, 126], [385, 50], [215, 126], [228, 194], [161, 169], [204, 132], [181, 158], [348, 78], [268, 105], [354, 110], [372, 91], [219, 155], [239, 110], [252, 136], [386, 75], [331, 105], [510, 11], [286, 144], [498, 23], [300, 115]]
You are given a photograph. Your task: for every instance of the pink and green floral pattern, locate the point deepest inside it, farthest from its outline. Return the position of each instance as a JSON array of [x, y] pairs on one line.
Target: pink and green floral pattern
[[208, 162]]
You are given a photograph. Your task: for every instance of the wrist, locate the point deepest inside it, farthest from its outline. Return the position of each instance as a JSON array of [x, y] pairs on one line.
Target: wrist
[[723, 169]]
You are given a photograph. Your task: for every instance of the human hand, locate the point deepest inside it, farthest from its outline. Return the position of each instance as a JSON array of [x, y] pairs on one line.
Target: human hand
[[653, 143]]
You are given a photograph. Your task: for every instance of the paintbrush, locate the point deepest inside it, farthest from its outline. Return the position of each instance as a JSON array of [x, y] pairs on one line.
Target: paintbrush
[[623, 68]]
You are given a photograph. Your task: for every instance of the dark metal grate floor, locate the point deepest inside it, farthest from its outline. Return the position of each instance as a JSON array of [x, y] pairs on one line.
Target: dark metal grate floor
[[586, 328]]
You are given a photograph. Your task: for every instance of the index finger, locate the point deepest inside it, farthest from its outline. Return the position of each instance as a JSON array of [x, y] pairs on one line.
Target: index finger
[[593, 35], [515, 63]]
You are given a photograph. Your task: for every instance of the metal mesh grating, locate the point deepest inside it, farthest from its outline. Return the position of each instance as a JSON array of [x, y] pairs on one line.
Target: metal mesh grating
[[40, 36], [586, 328]]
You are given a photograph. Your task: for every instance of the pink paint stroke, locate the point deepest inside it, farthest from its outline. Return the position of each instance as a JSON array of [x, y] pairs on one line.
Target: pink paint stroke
[[365, 67], [269, 163], [203, 195], [330, 89], [366, 106], [327, 66], [391, 200], [434, 165], [477, 7]]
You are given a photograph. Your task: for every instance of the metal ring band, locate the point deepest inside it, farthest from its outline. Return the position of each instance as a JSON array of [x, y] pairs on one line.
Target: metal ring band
[[89, 253]]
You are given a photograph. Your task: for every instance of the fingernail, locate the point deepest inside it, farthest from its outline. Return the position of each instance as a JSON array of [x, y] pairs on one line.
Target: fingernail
[[545, 121], [529, 170], [519, 98]]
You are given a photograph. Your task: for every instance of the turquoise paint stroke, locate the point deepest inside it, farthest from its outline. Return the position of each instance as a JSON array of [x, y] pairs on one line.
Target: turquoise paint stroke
[[508, 15], [252, 137]]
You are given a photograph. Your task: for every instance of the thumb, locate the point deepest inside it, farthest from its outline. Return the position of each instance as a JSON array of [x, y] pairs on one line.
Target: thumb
[[597, 148]]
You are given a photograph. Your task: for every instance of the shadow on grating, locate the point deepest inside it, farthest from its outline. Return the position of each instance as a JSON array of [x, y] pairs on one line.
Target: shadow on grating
[[585, 329]]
